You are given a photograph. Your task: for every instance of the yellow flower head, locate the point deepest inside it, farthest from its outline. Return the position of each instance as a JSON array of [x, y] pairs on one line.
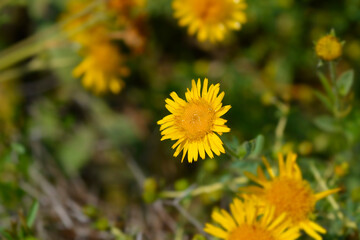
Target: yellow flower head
[[210, 19], [101, 68], [247, 222], [289, 194], [328, 48], [195, 122]]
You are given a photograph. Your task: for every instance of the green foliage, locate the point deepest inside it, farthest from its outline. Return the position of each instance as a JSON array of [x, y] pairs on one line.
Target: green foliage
[[75, 152], [22, 229], [32, 214], [345, 82]]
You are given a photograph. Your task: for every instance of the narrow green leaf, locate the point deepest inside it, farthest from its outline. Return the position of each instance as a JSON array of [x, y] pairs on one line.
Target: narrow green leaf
[[248, 147], [327, 124], [6, 235], [325, 82], [30, 219], [324, 99], [259, 144], [344, 82]]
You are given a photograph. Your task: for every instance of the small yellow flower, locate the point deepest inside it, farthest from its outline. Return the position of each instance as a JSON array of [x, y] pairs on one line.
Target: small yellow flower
[[195, 122], [328, 48], [246, 222], [341, 169], [210, 19], [101, 69], [289, 193]]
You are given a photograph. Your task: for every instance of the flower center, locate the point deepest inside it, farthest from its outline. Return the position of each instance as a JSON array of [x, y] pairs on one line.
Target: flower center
[[196, 120], [211, 11], [105, 57], [291, 196], [248, 232]]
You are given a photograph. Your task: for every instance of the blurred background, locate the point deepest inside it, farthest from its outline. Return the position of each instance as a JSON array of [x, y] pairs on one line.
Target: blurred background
[[79, 164]]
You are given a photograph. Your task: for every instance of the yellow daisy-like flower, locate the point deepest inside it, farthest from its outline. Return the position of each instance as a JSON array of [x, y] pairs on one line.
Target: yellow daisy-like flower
[[246, 222], [328, 48], [195, 122], [289, 193], [101, 69], [210, 19]]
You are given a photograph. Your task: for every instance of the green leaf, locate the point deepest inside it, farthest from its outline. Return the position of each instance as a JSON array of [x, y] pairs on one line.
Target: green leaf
[[30, 219], [327, 124], [325, 82], [118, 234], [259, 145], [324, 99], [77, 150], [344, 82], [198, 237], [252, 147], [18, 148], [5, 234]]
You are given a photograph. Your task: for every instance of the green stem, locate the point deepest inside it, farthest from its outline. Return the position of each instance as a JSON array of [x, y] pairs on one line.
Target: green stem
[[348, 222], [230, 151], [332, 71], [203, 189], [39, 41], [280, 127], [279, 133], [35, 65]]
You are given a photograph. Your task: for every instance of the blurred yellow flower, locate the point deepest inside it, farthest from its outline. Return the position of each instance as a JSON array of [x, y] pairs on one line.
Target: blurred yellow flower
[[102, 68], [305, 148], [341, 169], [195, 122], [328, 48], [210, 19], [289, 193], [83, 29], [247, 222]]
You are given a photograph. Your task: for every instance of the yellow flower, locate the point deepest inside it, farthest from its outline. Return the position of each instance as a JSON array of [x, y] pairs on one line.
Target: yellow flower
[[83, 29], [246, 222], [289, 193], [101, 68], [328, 48], [195, 122], [211, 19]]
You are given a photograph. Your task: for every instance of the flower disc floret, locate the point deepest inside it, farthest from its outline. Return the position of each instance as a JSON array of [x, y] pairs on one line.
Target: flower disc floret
[[196, 122]]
